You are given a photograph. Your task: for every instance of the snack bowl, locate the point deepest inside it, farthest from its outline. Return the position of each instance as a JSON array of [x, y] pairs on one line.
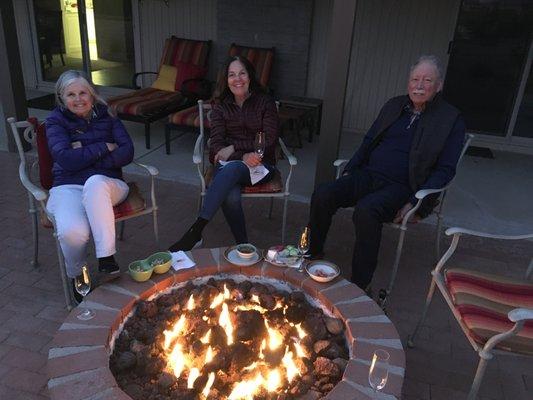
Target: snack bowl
[[246, 250], [140, 270], [160, 262], [322, 271]]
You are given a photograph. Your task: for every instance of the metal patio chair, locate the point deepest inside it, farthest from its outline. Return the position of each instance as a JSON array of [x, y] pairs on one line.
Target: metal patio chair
[[420, 195], [275, 188], [37, 189], [188, 59], [261, 59], [494, 312]]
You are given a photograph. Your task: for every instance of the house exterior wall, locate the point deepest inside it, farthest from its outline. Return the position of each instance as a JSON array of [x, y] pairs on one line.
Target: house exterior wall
[[318, 49], [388, 37], [26, 42]]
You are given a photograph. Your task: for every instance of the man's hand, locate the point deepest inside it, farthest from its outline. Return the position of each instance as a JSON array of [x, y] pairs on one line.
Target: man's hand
[[403, 211], [251, 159], [111, 146], [224, 153]]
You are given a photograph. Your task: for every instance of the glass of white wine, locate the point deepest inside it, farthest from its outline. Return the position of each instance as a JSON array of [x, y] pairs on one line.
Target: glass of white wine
[[82, 284], [259, 143], [378, 372], [303, 246]]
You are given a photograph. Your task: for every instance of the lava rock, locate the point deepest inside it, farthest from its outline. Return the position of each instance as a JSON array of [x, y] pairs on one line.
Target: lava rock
[[315, 327], [147, 309], [126, 361], [134, 391], [334, 326], [297, 297], [267, 301], [325, 367], [165, 381], [342, 363]]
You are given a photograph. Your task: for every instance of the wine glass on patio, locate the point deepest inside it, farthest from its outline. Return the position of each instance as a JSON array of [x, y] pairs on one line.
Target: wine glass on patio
[[82, 284], [378, 372], [259, 143], [303, 246]]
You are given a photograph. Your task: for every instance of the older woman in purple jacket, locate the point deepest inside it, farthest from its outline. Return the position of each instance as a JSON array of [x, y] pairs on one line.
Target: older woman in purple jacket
[[89, 146], [242, 111]]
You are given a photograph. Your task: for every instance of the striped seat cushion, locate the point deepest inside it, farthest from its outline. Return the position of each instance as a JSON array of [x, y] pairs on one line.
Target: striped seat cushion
[[188, 117], [133, 204], [145, 101], [275, 185], [260, 58], [483, 300], [179, 50]]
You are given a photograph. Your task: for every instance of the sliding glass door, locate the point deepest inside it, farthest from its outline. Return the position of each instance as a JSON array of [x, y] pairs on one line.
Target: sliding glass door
[[91, 35], [489, 70]]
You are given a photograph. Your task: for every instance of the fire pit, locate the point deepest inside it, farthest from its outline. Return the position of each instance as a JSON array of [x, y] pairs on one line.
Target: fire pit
[[219, 331], [224, 339]]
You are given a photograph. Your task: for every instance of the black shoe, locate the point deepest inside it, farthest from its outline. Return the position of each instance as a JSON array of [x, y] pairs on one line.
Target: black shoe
[[189, 241], [78, 298], [108, 265]]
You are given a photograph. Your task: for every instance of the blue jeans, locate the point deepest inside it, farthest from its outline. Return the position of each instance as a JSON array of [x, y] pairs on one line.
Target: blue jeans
[[225, 191], [375, 201]]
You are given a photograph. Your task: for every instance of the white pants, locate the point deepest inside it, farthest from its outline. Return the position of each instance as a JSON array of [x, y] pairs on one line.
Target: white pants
[[79, 210]]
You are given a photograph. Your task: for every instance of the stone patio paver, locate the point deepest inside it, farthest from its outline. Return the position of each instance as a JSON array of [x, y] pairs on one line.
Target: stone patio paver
[[440, 367]]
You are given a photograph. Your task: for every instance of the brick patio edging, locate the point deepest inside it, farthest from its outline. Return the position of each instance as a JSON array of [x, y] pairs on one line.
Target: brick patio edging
[[78, 360]]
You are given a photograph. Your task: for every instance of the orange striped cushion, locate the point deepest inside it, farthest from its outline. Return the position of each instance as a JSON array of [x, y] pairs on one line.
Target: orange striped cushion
[[186, 51], [144, 101], [133, 204], [483, 300], [188, 117], [261, 59], [275, 185]]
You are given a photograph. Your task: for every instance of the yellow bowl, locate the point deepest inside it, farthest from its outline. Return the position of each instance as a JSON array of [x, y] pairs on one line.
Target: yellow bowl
[[140, 270], [164, 257]]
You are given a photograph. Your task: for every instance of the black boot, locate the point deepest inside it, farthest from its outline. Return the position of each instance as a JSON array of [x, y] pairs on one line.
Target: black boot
[[108, 265], [192, 238]]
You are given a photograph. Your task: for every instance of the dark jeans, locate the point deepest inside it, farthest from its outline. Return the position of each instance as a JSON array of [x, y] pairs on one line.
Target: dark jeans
[[225, 191], [375, 201]]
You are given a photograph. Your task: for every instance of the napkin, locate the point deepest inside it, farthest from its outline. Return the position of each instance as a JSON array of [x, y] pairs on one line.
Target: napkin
[[256, 173], [180, 260]]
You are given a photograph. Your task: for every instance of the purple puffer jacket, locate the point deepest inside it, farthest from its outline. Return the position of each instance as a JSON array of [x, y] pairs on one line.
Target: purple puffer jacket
[[75, 166]]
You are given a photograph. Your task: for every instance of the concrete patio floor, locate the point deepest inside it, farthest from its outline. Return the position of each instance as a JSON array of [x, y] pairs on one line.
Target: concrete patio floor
[[440, 367]]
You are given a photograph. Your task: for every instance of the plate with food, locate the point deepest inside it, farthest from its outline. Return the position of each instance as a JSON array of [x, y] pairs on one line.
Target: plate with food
[[242, 254], [283, 256], [322, 271]]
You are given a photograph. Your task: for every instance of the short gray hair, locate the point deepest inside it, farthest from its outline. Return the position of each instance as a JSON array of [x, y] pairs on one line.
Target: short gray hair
[[69, 77], [429, 59]]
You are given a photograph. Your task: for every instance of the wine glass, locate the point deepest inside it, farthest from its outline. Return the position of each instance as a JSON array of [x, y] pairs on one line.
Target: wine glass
[[378, 372], [82, 284], [259, 143], [303, 246]]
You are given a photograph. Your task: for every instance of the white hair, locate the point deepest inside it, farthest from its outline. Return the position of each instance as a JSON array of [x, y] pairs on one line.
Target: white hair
[[429, 59], [69, 77]]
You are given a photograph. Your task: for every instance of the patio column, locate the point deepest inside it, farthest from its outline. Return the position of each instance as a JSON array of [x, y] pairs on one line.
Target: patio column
[[336, 78], [12, 92]]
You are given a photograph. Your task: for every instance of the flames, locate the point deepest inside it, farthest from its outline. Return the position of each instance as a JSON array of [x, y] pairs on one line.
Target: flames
[[260, 375]]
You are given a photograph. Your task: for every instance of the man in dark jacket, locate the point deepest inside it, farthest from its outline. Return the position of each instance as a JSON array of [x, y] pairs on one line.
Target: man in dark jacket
[[414, 144]]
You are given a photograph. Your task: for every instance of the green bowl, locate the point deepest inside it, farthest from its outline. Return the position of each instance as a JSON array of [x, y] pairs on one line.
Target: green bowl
[[140, 270], [165, 259]]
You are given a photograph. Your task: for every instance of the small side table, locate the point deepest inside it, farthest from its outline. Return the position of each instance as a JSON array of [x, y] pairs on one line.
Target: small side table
[[313, 118], [292, 119]]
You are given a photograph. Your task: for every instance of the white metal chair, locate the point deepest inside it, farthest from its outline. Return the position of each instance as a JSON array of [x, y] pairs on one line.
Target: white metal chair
[[420, 195], [276, 188], [134, 205], [494, 312]]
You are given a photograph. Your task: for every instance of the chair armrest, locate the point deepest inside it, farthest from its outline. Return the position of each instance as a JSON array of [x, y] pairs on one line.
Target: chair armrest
[[339, 164], [421, 194], [37, 192], [520, 314], [136, 75], [457, 231], [290, 157], [153, 171], [198, 149]]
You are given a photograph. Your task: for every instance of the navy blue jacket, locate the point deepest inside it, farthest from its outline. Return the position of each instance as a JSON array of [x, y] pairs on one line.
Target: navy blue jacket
[[75, 166]]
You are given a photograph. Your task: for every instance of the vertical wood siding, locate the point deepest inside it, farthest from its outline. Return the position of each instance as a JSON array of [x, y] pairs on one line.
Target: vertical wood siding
[[192, 19], [388, 37], [25, 40]]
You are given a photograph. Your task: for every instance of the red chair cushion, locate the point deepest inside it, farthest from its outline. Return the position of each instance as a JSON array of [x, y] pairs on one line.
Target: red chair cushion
[[189, 117], [189, 51], [483, 300], [45, 158], [261, 59], [188, 71]]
